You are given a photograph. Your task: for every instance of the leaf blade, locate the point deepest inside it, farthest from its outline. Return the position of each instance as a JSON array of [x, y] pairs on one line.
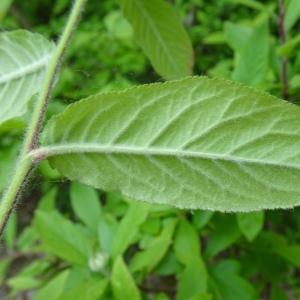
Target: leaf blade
[[23, 59], [194, 143]]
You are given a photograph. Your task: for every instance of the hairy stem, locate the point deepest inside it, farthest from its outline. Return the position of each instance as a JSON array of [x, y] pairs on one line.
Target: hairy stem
[[284, 61], [25, 164]]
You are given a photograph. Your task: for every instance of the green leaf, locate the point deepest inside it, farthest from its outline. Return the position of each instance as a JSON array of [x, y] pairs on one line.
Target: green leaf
[[154, 253], [193, 280], [4, 7], [194, 143], [86, 204], [11, 232], [129, 226], [23, 59], [292, 14], [250, 224], [230, 285], [53, 288], [123, 285], [201, 218], [81, 285], [107, 229], [187, 243], [8, 156], [223, 236], [252, 59], [21, 283], [158, 30], [62, 238]]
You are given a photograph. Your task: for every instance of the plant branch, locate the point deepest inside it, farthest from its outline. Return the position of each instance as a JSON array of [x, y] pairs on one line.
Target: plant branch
[[25, 165], [284, 60]]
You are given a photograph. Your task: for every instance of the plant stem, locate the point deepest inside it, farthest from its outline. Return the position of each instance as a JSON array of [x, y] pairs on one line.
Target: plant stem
[[284, 61], [25, 164]]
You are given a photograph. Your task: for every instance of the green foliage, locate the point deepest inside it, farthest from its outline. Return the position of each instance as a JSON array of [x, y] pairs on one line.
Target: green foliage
[[97, 245]]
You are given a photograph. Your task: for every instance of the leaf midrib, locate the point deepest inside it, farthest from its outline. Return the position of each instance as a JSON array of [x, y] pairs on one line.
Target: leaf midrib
[[72, 148], [25, 70]]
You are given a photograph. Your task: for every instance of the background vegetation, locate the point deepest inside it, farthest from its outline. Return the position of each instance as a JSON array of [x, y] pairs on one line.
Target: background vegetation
[[68, 248]]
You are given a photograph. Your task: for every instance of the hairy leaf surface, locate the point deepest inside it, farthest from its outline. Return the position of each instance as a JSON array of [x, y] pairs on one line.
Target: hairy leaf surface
[[194, 143], [23, 58], [158, 30]]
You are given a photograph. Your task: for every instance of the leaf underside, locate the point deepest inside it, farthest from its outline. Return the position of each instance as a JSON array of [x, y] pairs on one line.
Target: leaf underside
[[23, 58], [195, 143]]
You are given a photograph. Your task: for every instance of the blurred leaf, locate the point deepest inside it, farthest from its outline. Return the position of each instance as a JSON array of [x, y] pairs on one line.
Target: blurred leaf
[[129, 226], [237, 35], [187, 243], [4, 267], [287, 48], [292, 14], [201, 218], [53, 289], [83, 286], [8, 156], [159, 32], [123, 285], [202, 297], [230, 284], [47, 202], [4, 7], [86, 204], [107, 229], [150, 257], [22, 283], [278, 293], [290, 253], [252, 60], [10, 232], [61, 237], [192, 143], [23, 59], [250, 224], [193, 280], [118, 26], [223, 236]]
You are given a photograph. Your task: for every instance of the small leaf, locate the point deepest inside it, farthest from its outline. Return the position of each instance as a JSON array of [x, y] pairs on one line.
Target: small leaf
[[252, 54], [187, 243], [23, 59], [223, 236], [158, 30], [229, 284], [201, 218], [123, 285], [194, 143], [86, 204], [53, 288], [250, 224], [193, 280], [128, 227], [61, 237], [152, 255]]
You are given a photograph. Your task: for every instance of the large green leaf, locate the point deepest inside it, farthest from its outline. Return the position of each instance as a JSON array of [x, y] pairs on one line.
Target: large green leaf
[[158, 30], [195, 143], [23, 58]]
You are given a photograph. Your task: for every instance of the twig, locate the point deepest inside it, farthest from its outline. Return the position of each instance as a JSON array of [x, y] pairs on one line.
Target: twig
[[284, 60]]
